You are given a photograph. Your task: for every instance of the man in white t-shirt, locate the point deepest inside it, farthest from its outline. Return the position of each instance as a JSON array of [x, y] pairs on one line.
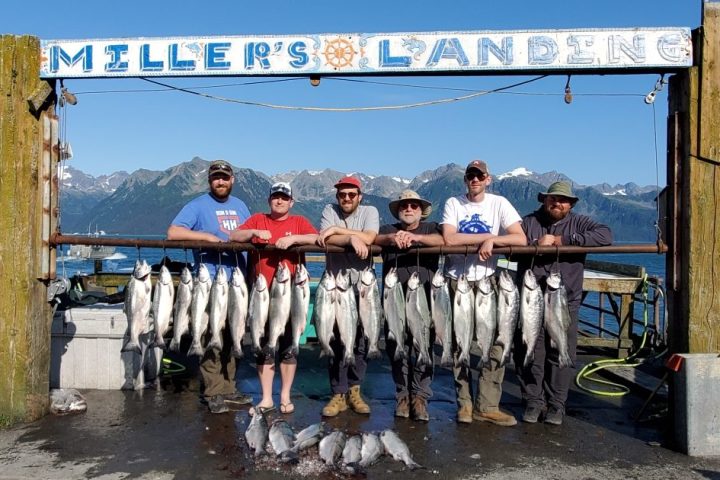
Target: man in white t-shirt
[[482, 220]]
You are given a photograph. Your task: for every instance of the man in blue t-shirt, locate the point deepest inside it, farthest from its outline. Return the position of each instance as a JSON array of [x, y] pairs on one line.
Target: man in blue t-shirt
[[210, 218]]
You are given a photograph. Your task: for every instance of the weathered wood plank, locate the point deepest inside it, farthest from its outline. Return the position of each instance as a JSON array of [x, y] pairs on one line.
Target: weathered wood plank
[[635, 271], [25, 313]]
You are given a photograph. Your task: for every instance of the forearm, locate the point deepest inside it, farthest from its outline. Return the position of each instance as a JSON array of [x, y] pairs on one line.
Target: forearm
[[510, 239], [242, 236], [385, 239], [430, 240], [306, 239], [176, 232], [460, 239]]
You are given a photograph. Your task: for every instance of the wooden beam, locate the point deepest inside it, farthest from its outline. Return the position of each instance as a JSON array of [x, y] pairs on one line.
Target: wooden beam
[[25, 314], [694, 278]]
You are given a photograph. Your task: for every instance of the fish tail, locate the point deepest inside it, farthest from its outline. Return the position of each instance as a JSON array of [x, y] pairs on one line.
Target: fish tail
[[237, 352], [215, 342], [196, 349], [565, 361], [131, 346], [374, 353], [349, 360], [295, 350], [529, 358], [174, 345]]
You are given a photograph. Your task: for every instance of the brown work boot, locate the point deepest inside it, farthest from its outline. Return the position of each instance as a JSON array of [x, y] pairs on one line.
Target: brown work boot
[[464, 414], [419, 408], [336, 405], [402, 409], [356, 402], [498, 417]]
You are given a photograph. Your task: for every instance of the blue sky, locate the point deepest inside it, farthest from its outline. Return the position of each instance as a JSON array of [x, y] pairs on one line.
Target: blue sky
[[595, 139]]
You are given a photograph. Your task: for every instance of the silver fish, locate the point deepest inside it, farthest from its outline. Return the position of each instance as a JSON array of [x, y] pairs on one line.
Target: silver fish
[[137, 305], [508, 308], [299, 305], [198, 310], [218, 308], [237, 309], [485, 317], [441, 307], [370, 309], [531, 314], [418, 318], [181, 310], [309, 436], [258, 310], [346, 315], [394, 307], [557, 318], [351, 453], [324, 312], [162, 305], [372, 449], [398, 449], [331, 447], [463, 318], [257, 433], [280, 303], [282, 439]]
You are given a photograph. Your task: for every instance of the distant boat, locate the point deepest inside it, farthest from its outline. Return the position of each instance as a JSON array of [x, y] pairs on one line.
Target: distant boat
[[94, 252]]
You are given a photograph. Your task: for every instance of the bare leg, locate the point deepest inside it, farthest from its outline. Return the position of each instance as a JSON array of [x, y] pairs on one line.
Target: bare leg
[[287, 375], [266, 373]]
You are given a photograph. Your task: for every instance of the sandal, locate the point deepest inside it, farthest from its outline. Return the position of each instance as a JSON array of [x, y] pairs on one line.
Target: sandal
[[287, 408], [263, 410]]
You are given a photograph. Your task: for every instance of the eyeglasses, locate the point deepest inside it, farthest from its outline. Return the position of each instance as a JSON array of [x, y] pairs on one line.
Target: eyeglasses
[[413, 206], [344, 195], [470, 176]]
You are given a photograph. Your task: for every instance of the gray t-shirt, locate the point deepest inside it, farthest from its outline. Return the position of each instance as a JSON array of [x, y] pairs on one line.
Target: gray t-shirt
[[362, 219]]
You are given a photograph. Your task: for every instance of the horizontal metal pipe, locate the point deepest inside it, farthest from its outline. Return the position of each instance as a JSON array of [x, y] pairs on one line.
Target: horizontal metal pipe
[[61, 239]]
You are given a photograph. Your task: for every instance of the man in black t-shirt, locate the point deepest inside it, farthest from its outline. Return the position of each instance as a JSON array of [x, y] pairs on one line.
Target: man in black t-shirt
[[412, 381]]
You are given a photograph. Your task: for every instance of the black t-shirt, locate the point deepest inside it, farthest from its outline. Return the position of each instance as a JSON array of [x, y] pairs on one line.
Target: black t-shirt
[[407, 263]]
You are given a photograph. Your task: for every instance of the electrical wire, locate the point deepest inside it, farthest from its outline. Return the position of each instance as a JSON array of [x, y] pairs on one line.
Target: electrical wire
[[347, 109]]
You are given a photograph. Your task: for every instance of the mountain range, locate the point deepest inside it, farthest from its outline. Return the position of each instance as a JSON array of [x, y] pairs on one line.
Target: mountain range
[[145, 201]]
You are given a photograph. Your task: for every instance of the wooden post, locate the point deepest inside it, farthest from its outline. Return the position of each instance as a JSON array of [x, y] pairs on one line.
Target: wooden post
[[26, 104], [694, 182]]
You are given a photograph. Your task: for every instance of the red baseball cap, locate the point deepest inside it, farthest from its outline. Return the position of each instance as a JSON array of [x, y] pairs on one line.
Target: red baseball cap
[[349, 181]]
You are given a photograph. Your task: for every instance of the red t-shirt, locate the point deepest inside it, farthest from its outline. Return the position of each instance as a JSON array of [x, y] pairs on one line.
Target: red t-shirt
[[266, 262]]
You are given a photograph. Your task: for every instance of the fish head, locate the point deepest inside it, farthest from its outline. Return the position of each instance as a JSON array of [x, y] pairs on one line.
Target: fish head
[[367, 277], [438, 279], [260, 283], [237, 278], [554, 281], [530, 280], [328, 280], [413, 281], [142, 269], [462, 284], [391, 279], [203, 275], [282, 274], [342, 280], [505, 281], [186, 276], [165, 277], [301, 275], [221, 275], [484, 286]]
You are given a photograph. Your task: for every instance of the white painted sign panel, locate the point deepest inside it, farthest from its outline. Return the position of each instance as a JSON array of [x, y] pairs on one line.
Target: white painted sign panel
[[374, 54]]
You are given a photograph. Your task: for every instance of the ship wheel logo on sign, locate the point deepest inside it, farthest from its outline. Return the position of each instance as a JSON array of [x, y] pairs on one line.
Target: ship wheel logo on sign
[[339, 53]]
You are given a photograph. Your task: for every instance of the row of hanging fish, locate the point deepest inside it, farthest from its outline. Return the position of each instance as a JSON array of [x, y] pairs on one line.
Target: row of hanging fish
[[351, 453], [204, 305]]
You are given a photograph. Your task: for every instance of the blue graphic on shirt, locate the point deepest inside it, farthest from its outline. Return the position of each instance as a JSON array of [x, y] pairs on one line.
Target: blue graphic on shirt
[[474, 225]]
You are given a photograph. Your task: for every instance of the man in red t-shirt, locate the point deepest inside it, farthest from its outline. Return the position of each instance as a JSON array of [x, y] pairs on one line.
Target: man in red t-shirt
[[283, 230]]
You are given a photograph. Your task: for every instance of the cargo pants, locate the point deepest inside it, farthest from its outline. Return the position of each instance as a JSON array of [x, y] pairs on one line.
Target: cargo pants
[[490, 377], [217, 368]]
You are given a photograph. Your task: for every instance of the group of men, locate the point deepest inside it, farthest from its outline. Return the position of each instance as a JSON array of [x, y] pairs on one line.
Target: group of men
[[476, 219]]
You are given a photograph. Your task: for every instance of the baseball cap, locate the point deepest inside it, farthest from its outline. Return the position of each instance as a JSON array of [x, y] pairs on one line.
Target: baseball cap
[[478, 165], [349, 181], [220, 166], [281, 187]]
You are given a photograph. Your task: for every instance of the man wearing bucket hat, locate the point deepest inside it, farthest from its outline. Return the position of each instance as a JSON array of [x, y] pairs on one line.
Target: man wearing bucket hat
[[412, 381], [212, 217], [481, 220], [544, 385], [348, 224], [283, 230]]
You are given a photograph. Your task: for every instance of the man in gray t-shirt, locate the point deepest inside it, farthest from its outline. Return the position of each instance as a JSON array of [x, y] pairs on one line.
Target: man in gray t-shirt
[[348, 224]]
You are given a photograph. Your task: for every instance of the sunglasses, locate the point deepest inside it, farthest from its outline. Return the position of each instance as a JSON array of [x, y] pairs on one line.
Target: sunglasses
[[344, 195], [470, 176], [413, 206]]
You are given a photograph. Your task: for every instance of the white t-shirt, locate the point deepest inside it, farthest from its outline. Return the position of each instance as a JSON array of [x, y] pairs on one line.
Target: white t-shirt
[[491, 215]]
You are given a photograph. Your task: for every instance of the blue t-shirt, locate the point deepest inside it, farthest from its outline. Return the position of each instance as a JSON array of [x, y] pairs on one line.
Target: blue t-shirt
[[205, 214]]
